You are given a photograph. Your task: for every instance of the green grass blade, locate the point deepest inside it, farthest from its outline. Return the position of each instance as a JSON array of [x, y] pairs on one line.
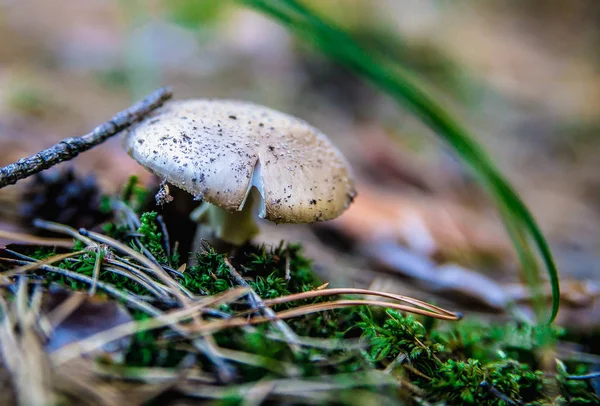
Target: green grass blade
[[408, 91]]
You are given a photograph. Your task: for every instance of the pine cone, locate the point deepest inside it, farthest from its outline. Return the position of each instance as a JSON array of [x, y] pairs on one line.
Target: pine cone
[[64, 197]]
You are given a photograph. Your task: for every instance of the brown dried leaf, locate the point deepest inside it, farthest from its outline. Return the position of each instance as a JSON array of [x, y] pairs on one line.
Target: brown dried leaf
[[88, 317], [427, 225]]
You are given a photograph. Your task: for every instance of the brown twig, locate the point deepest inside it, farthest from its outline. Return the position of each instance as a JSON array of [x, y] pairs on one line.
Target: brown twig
[[447, 315], [22, 238], [340, 304], [69, 148]]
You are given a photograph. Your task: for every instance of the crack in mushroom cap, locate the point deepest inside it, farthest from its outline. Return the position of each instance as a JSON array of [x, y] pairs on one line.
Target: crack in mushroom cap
[[211, 149]]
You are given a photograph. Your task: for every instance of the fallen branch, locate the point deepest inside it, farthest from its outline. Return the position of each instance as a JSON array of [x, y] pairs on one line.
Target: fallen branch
[[69, 148]]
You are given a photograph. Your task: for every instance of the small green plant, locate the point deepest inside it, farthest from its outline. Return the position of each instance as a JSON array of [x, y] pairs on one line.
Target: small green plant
[[398, 336]]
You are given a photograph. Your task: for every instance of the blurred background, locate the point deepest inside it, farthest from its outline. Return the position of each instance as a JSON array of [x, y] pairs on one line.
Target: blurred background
[[523, 75]]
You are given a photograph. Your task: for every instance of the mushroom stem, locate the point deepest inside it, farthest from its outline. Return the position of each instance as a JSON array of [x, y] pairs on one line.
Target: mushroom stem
[[236, 228]]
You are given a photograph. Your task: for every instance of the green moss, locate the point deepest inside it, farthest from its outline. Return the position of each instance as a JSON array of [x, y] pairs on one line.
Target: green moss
[[148, 349], [460, 382], [266, 269], [495, 342], [37, 252], [118, 232], [263, 268], [152, 240], [574, 391], [209, 275], [451, 363], [398, 335]]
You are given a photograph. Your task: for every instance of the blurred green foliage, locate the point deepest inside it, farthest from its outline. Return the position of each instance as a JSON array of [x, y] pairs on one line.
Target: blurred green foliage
[[194, 13]]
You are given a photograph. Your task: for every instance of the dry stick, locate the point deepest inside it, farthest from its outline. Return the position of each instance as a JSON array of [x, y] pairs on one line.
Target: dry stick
[[339, 304], [150, 287], [397, 361], [259, 304], [31, 375], [258, 394], [294, 388], [323, 343], [213, 326], [132, 299], [69, 148], [135, 275], [140, 273], [150, 374], [147, 259], [271, 364], [204, 344], [499, 395]]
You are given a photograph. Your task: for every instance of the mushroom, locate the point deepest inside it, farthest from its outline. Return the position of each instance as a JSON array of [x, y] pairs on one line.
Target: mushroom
[[233, 155]]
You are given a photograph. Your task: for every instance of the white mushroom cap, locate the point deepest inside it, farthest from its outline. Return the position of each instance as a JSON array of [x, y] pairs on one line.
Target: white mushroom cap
[[218, 149]]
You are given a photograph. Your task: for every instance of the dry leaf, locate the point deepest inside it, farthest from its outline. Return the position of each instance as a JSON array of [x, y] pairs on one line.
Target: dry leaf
[[92, 315], [427, 225]]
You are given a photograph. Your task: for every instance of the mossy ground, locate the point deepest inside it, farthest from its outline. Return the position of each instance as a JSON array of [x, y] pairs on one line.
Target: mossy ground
[[465, 362]]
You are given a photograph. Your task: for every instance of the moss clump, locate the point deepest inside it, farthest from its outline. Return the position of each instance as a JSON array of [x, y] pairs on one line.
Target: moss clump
[[471, 362], [399, 334], [263, 268], [463, 382]]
